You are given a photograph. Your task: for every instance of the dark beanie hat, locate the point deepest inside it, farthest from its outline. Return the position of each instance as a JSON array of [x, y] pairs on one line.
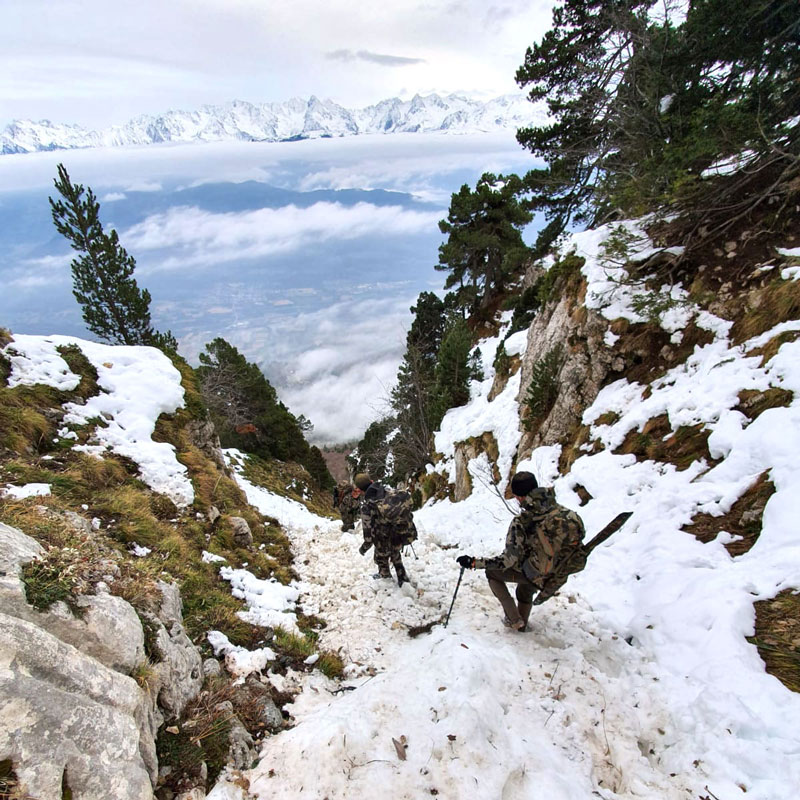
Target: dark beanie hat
[[523, 483], [362, 481]]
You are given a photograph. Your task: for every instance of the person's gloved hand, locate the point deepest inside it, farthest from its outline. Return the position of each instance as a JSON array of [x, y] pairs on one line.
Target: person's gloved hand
[[364, 547], [465, 562]]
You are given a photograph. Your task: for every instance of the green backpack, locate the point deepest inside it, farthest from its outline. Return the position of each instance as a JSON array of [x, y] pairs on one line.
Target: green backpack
[[393, 513]]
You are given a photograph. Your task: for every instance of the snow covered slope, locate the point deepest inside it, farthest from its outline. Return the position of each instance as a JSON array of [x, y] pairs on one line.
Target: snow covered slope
[[137, 385], [637, 681], [293, 119]]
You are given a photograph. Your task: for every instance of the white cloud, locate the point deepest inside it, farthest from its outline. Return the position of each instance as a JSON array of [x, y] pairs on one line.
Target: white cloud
[[204, 238], [35, 273], [358, 161], [335, 365], [97, 63], [112, 197], [145, 186]]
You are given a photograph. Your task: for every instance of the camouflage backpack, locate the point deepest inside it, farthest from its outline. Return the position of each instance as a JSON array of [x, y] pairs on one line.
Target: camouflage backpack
[[393, 513], [562, 530]]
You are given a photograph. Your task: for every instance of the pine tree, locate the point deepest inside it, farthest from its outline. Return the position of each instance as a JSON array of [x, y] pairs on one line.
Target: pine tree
[[484, 248], [455, 368], [645, 96], [373, 453], [114, 308], [413, 392], [318, 468], [248, 414]]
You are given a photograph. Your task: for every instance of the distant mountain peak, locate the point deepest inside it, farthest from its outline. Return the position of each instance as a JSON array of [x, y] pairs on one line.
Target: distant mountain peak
[[293, 119]]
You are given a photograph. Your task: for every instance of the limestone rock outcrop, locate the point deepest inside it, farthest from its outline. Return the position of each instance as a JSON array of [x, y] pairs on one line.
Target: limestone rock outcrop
[[69, 711], [65, 717], [566, 326]]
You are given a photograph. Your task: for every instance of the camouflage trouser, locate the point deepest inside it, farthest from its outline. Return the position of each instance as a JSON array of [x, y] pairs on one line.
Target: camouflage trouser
[[385, 552], [525, 590], [348, 515]]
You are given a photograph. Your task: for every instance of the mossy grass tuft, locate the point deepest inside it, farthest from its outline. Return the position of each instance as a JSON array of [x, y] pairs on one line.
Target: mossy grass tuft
[[299, 648], [743, 520], [81, 366], [656, 441]]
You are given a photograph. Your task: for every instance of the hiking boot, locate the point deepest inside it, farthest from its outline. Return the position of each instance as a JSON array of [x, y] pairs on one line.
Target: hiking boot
[[402, 576], [524, 612], [516, 625], [378, 575]]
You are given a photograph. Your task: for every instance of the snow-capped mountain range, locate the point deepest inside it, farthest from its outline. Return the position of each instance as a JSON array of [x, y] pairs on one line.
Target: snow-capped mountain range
[[287, 121]]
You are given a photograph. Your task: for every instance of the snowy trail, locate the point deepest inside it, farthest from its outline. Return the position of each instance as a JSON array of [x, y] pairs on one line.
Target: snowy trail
[[558, 712]]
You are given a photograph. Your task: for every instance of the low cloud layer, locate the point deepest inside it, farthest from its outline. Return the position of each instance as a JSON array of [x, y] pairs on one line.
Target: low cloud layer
[[335, 365], [203, 238]]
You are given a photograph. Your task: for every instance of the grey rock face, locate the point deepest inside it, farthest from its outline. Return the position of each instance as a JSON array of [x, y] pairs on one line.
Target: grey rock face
[[241, 752], [66, 699], [203, 435], [113, 633], [242, 535], [180, 672], [16, 549], [262, 700], [586, 363], [61, 709], [464, 453]]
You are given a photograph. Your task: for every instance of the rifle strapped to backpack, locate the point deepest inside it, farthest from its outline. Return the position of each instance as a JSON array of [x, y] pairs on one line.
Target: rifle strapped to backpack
[[572, 560]]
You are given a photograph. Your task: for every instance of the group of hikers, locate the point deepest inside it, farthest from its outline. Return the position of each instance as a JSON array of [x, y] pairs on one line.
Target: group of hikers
[[543, 545]]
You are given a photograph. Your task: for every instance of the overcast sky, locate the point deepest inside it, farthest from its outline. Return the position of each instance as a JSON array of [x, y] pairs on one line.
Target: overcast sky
[[101, 62]]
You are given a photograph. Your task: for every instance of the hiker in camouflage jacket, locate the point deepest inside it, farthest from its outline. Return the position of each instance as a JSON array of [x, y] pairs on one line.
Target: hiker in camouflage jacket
[[541, 543], [386, 541], [349, 505]]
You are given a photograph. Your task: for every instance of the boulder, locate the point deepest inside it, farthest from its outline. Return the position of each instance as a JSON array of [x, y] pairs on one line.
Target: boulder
[[242, 535], [212, 668], [180, 670], [65, 717]]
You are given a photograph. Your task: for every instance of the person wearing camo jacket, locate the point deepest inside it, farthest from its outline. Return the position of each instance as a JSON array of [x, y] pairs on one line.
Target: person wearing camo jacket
[[349, 505], [387, 539], [541, 541]]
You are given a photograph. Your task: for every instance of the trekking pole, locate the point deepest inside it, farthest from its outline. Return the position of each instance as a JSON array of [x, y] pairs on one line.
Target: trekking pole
[[413, 551], [460, 576]]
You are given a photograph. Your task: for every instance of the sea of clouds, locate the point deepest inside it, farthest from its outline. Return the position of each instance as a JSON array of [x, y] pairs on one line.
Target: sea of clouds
[[307, 256]]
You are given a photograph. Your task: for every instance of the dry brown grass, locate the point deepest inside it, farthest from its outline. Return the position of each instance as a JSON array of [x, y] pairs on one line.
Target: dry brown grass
[[98, 473], [292, 480], [743, 519], [770, 349], [777, 302], [47, 529], [9, 783], [657, 442], [23, 429], [211, 486], [777, 637]]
